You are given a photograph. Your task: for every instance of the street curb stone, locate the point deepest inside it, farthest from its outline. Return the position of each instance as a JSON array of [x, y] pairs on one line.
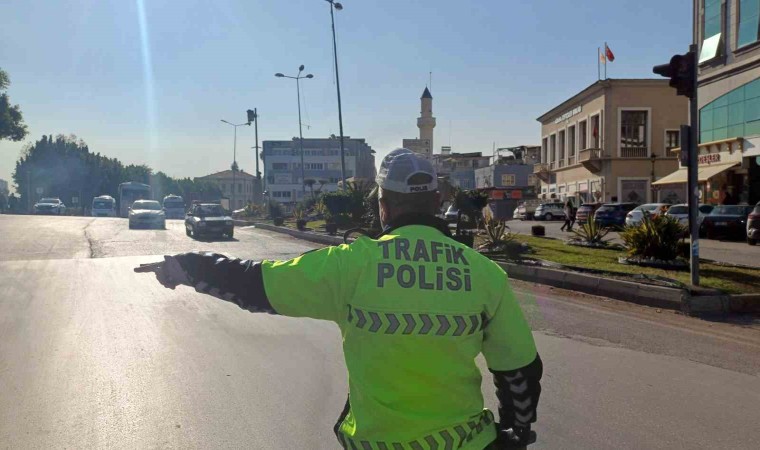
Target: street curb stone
[[642, 294]]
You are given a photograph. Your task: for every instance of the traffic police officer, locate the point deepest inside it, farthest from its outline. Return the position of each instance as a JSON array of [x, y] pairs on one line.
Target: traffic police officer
[[415, 308]]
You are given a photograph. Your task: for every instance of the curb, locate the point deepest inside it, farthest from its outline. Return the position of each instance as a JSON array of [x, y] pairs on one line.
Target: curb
[[642, 294]]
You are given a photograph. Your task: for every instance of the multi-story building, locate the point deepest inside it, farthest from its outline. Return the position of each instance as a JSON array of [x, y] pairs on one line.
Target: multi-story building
[[240, 190], [510, 179], [610, 141], [459, 168], [728, 33], [322, 166]]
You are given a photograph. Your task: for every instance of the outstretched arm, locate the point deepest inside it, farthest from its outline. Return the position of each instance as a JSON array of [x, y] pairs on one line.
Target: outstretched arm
[[234, 280]]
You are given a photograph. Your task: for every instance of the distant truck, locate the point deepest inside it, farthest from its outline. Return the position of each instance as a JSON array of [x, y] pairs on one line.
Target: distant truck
[[174, 207], [104, 206]]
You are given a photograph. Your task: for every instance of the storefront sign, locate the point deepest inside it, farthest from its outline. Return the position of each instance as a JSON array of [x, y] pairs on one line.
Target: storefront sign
[[568, 114], [709, 159], [517, 195]]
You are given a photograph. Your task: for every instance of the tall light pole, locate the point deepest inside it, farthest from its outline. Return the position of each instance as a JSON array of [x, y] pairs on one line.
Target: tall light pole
[[337, 6], [253, 116], [300, 130], [234, 159]]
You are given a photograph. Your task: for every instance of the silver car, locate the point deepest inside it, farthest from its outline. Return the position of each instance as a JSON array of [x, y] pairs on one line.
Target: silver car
[[147, 214], [681, 212], [635, 216]]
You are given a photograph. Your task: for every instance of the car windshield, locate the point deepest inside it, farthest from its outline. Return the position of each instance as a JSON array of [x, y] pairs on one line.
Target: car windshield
[[706, 209], [150, 205], [49, 200], [608, 208], [731, 210], [209, 210], [678, 209], [102, 204]]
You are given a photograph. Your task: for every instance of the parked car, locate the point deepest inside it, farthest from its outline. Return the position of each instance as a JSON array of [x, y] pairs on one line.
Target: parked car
[[516, 214], [550, 211], [50, 206], [753, 225], [146, 214], [585, 212], [451, 215], [681, 212], [636, 215], [525, 211], [208, 219], [728, 221], [612, 214]]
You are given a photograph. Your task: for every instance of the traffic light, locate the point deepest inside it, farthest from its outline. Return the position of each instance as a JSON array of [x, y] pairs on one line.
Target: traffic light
[[682, 71], [251, 116]]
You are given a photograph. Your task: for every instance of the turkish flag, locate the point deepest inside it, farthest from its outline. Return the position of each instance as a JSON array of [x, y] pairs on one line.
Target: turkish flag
[[608, 52]]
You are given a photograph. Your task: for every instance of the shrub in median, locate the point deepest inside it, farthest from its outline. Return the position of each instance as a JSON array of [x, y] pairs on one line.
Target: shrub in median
[[590, 234], [655, 238]]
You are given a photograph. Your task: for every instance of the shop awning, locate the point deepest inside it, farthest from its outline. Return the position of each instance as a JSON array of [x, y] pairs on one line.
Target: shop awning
[[705, 173]]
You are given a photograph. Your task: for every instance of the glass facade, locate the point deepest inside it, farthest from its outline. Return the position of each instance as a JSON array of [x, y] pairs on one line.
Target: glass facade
[[749, 17], [712, 18], [734, 114]]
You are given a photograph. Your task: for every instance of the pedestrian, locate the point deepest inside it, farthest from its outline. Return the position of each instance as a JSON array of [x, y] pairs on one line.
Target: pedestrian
[[414, 306], [568, 211]]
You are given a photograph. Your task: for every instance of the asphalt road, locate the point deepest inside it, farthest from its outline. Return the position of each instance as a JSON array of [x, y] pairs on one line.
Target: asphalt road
[[93, 355], [733, 252]]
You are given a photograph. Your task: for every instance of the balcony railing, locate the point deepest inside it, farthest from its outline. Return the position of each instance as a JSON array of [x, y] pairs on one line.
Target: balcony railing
[[571, 160], [560, 163], [634, 152], [540, 167], [589, 154]]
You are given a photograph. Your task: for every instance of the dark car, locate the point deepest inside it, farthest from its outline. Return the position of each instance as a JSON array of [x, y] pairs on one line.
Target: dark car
[[728, 221], [612, 215], [585, 212], [753, 225], [208, 219]]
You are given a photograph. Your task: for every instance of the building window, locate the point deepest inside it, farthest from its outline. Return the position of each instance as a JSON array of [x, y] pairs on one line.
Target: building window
[[712, 29], [749, 18], [279, 166], [561, 159], [532, 180], [240, 188], [571, 144], [281, 194], [552, 148], [582, 141], [544, 149], [595, 131], [633, 134], [508, 180], [734, 114], [313, 166], [672, 140]]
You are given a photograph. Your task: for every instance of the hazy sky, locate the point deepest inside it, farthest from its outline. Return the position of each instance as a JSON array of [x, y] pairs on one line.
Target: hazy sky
[[153, 91]]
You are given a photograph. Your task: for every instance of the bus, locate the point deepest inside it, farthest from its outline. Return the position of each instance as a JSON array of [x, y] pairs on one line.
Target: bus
[[129, 192], [103, 206], [174, 207]]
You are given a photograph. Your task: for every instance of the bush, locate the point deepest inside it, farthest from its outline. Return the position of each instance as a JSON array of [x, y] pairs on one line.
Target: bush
[[470, 203], [592, 234], [655, 237], [336, 203], [274, 208], [357, 192]]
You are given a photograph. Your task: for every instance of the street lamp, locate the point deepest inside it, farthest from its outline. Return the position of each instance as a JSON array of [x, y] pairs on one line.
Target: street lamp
[[337, 6], [300, 129], [234, 159]]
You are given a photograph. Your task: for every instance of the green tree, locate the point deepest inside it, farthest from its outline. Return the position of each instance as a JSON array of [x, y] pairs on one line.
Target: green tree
[[12, 125]]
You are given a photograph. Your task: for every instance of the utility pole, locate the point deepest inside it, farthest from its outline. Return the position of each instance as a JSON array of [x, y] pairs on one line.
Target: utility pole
[[253, 116]]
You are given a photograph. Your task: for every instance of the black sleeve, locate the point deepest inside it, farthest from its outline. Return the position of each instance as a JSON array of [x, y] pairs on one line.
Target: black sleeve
[[233, 280], [518, 392]]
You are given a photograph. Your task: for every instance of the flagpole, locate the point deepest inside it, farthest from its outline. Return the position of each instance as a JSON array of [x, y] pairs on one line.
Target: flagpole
[[598, 65], [605, 60]]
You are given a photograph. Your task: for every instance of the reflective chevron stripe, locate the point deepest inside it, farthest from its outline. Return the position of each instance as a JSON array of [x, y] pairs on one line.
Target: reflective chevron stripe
[[417, 323], [443, 440]]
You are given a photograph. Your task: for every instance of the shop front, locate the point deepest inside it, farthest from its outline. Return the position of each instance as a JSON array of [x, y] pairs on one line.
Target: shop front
[[726, 170]]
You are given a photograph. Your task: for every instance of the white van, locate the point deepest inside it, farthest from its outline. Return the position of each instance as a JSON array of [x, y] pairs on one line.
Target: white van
[[174, 207], [103, 206]]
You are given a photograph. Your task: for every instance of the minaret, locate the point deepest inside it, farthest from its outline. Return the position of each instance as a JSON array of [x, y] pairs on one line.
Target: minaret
[[426, 121]]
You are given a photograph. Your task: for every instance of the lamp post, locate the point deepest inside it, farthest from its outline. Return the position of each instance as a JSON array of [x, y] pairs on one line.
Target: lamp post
[[653, 158], [298, 78], [337, 6], [253, 116], [234, 159]]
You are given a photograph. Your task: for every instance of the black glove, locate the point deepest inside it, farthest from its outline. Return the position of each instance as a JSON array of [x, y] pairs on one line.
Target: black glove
[[514, 438]]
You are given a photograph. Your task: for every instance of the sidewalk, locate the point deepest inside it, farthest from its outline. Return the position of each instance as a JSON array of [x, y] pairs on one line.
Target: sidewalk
[[732, 252]]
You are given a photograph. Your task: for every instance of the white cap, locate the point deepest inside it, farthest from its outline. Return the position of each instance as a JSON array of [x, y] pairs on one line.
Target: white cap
[[399, 166]]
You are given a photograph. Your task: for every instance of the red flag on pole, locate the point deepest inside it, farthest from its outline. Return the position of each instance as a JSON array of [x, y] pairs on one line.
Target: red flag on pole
[[608, 53]]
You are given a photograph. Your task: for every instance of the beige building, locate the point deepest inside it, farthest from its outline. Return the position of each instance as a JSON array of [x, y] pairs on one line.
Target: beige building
[[728, 33], [241, 191], [610, 141]]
